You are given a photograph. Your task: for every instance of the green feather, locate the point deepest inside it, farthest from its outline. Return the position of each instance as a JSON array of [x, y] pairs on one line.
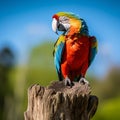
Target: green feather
[[68, 14]]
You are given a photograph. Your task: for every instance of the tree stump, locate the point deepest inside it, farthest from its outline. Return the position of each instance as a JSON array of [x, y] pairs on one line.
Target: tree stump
[[60, 102]]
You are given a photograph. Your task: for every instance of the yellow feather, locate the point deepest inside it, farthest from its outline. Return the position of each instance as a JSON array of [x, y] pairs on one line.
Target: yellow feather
[[75, 26], [60, 39]]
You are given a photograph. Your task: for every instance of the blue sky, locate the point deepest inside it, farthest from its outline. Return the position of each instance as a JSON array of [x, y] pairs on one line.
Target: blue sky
[[24, 24]]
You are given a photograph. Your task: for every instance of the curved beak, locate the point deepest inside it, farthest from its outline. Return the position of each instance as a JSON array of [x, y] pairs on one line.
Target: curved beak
[[55, 25]]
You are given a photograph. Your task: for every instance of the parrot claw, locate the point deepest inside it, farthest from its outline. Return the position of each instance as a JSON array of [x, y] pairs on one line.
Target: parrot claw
[[68, 82], [83, 81]]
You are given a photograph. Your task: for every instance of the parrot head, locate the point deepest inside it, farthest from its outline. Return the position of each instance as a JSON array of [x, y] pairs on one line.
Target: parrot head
[[67, 22]]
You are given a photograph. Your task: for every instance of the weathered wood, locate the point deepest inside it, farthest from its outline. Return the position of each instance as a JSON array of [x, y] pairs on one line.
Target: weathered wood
[[58, 102]]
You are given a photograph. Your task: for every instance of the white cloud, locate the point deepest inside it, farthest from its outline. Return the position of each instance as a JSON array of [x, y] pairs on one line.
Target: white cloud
[[37, 29]]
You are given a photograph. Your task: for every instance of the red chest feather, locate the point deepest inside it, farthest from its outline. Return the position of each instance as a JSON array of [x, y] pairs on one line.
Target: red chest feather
[[76, 52]]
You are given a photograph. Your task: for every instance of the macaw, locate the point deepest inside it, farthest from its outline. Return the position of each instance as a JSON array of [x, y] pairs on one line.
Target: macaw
[[74, 50]]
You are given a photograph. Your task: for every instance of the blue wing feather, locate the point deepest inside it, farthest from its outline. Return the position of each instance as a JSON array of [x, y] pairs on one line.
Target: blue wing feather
[[93, 49], [58, 51]]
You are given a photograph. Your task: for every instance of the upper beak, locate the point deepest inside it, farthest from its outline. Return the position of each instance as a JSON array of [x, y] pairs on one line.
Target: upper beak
[[54, 25]]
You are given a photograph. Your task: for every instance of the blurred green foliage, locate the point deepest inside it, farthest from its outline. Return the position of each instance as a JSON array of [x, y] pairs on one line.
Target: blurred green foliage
[[7, 60], [40, 70], [41, 66], [108, 110]]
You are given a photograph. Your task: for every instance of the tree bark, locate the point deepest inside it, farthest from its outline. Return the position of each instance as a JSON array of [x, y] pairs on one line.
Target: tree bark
[[60, 102]]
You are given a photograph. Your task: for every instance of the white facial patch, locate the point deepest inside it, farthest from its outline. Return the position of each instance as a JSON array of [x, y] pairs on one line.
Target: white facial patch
[[65, 22]]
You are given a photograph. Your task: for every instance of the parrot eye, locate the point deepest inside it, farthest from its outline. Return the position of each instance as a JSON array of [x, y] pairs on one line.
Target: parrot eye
[[64, 19]]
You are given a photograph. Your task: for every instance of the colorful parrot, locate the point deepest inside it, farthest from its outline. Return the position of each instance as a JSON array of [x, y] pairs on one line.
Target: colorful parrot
[[74, 50]]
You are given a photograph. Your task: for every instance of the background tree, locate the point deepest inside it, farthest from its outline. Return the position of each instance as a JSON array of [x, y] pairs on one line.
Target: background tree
[[7, 61]]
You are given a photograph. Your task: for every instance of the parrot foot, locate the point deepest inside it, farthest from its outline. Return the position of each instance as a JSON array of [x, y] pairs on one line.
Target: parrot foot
[[83, 81], [68, 82]]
